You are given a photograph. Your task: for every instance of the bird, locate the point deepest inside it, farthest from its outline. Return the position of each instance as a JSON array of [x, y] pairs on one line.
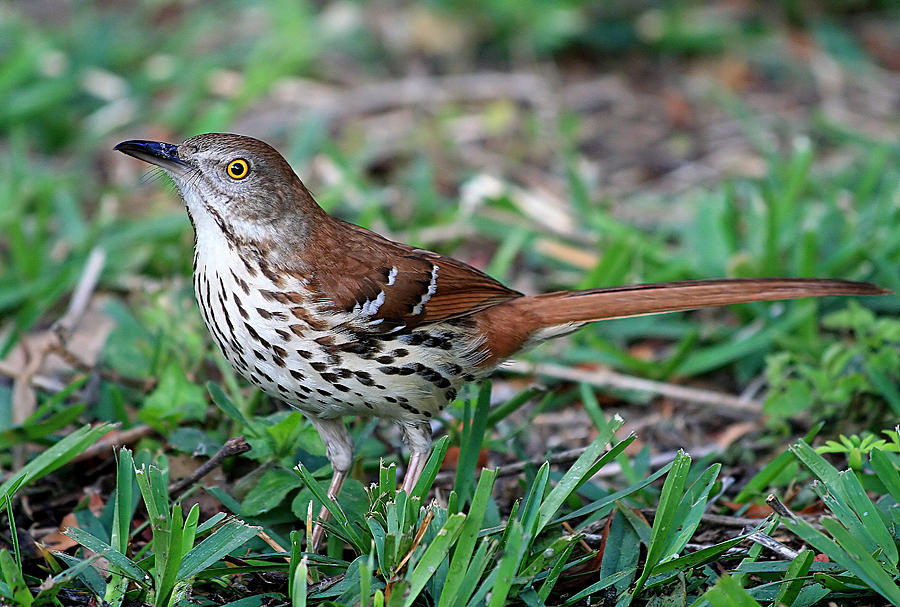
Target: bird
[[336, 320]]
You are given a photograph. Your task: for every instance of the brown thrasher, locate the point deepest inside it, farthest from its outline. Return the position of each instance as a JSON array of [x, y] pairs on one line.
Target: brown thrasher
[[336, 320]]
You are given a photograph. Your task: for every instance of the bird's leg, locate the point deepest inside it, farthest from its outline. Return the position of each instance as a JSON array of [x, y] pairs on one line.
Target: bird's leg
[[417, 437], [339, 448], [417, 461], [337, 481]]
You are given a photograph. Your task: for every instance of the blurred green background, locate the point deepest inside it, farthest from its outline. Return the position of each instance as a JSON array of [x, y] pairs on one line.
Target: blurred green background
[[555, 144]]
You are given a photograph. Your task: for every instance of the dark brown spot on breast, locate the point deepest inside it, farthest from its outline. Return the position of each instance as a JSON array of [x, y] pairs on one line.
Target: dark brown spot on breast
[[241, 282], [276, 278], [414, 339], [249, 267], [241, 310], [327, 342], [274, 296], [362, 347], [263, 373], [223, 293], [301, 313], [257, 336]]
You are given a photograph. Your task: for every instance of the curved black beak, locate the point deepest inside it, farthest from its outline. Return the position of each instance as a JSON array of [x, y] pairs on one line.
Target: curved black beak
[[162, 154]]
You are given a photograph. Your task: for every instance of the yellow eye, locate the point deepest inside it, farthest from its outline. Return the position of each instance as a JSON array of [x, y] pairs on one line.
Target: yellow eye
[[238, 168]]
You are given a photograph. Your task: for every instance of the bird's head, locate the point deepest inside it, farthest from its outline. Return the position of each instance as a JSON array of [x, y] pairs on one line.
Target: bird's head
[[236, 184]]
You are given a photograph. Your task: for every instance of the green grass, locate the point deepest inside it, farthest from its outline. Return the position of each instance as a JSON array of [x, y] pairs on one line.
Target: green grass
[[76, 83]]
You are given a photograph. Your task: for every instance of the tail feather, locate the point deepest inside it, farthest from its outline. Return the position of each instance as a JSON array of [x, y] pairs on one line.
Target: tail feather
[[658, 298], [541, 317]]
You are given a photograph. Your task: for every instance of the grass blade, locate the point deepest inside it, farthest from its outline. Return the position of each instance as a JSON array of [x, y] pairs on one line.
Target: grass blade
[[557, 569], [298, 590], [228, 537], [570, 481], [793, 582], [432, 467], [479, 563], [465, 545], [55, 456], [343, 526], [474, 428], [887, 473], [727, 593], [95, 544], [433, 555], [12, 573], [509, 564], [857, 560], [664, 521], [763, 479], [613, 497], [121, 527]]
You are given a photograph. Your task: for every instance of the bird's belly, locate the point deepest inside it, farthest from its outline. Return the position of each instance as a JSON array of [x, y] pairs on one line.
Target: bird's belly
[[327, 372]]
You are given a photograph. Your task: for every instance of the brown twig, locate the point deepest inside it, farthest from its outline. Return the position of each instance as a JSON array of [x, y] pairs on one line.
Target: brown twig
[[144, 385], [778, 506], [81, 296], [114, 439], [720, 520], [774, 545], [233, 446], [656, 461], [271, 542], [564, 457], [726, 404]]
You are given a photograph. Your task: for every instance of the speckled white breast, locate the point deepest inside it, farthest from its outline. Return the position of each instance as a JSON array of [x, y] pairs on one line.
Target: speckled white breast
[[324, 363]]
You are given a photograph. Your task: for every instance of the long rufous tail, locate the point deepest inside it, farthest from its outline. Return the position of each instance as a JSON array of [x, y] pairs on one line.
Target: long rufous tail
[[658, 298], [537, 315]]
